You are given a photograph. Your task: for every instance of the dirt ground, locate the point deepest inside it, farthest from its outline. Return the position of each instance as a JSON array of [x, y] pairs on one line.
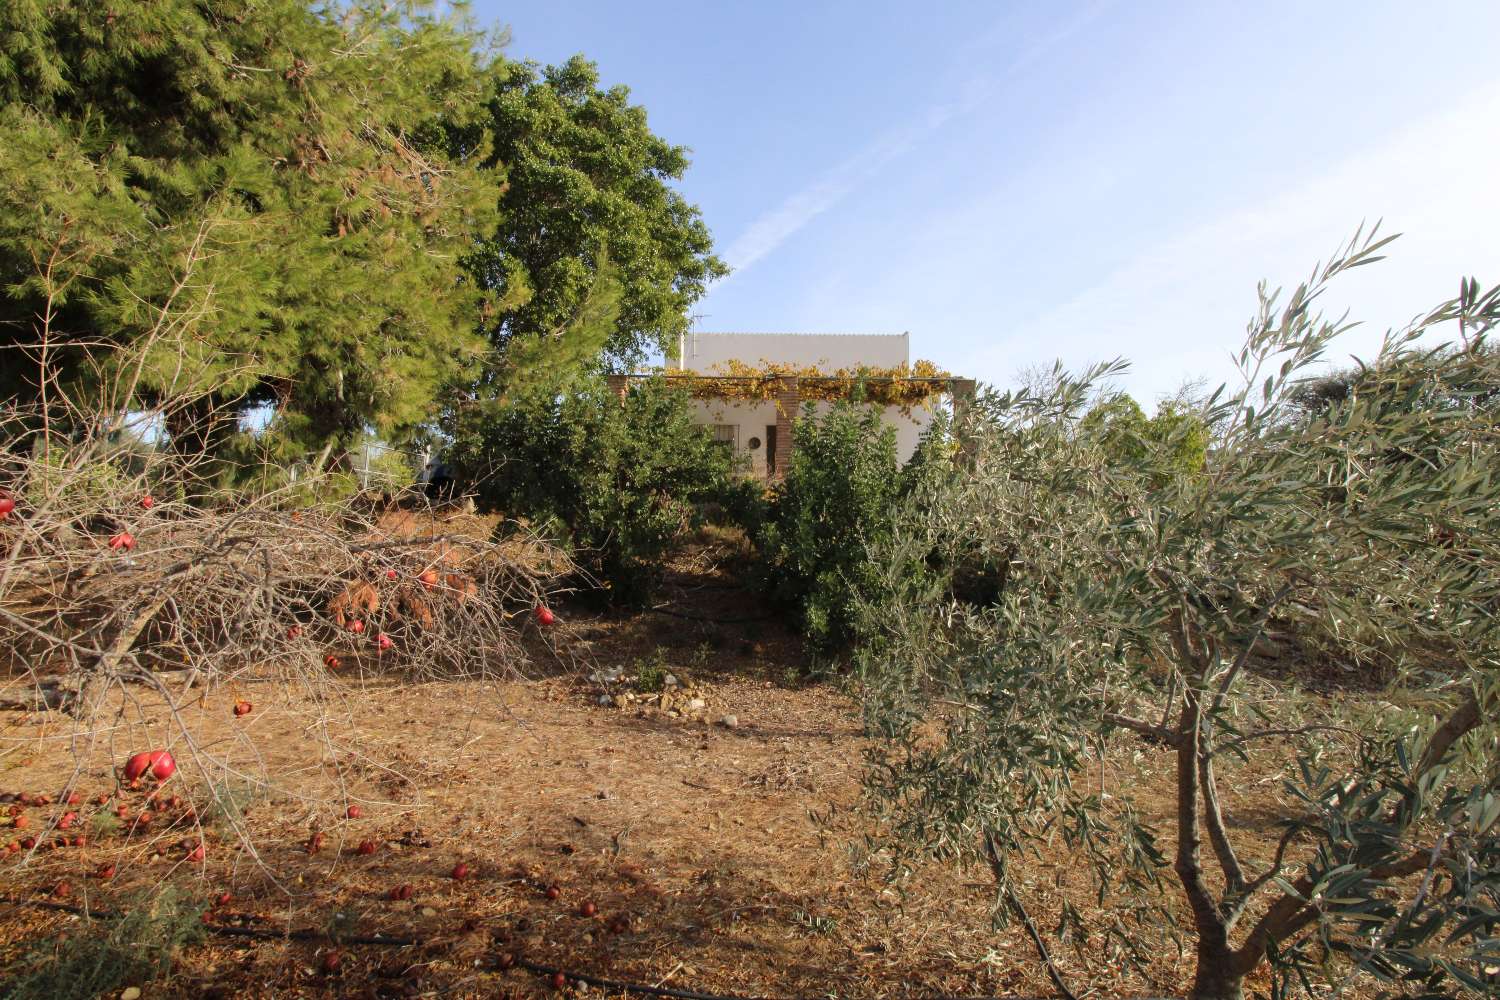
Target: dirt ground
[[697, 844]]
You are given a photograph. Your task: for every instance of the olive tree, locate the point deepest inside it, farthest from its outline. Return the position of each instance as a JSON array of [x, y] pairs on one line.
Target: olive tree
[[1135, 606]]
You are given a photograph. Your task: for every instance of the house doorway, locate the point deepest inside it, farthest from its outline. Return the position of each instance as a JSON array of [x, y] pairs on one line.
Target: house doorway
[[770, 451]]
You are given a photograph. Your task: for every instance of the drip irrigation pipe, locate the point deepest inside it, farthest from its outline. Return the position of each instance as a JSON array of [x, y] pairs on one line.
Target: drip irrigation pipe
[[642, 989], [715, 621]]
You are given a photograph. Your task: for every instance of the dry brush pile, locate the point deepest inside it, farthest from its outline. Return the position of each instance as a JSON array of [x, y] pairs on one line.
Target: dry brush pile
[[130, 591]]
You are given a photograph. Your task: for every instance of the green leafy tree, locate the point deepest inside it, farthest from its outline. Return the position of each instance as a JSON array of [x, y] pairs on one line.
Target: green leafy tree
[[619, 481], [1136, 606], [279, 180], [587, 182], [1129, 434]]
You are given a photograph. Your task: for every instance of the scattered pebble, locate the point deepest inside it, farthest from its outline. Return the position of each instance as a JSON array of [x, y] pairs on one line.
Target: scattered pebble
[[729, 721], [130, 993]]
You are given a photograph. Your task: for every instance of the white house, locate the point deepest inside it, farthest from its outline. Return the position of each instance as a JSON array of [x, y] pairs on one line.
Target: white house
[[760, 429]]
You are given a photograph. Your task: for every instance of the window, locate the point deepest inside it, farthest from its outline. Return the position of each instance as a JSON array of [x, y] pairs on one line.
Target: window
[[727, 435]]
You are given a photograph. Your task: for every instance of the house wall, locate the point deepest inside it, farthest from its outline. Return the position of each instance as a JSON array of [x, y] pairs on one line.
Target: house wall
[[709, 353], [752, 418]]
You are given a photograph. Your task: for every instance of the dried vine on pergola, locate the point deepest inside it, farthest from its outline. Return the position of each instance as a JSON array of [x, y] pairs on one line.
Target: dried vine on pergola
[[904, 386]]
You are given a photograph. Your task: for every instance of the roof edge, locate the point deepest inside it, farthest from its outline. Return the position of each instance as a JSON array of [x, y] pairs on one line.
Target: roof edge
[[786, 333]]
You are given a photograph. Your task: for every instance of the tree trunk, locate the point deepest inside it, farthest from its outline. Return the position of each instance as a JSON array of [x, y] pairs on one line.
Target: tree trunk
[[1215, 977], [197, 429]]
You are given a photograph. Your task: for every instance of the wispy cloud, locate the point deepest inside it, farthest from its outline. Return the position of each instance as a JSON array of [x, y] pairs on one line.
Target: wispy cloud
[[975, 87], [773, 228], [1178, 308]]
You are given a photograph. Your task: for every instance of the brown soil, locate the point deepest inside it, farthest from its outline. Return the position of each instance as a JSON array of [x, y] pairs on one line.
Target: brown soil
[[697, 843]]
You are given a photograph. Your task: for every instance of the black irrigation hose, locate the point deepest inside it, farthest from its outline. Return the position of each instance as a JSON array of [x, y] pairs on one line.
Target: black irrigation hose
[[642, 989], [715, 621], [225, 930]]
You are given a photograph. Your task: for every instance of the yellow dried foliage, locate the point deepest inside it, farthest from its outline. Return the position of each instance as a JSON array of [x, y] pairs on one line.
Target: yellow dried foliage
[[904, 386]]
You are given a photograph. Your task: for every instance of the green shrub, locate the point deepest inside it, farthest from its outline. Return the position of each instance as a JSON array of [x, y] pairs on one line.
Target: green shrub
[[618, 483], [839, 497], [651, 673], [105, 955]]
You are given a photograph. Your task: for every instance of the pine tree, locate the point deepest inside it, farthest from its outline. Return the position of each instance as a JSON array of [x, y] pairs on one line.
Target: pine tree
[[290, 192]]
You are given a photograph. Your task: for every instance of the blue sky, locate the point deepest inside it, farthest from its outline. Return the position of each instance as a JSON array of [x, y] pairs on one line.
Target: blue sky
[[1014, 183]]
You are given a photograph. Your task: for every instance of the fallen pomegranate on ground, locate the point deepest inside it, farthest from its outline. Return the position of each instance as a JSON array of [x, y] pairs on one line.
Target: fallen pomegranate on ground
[[163, 765], [461, 871], [552, 892], [123, 540], [136, 766], [147, 502], [315, 843], [6, 506], [354, 812], [366, 847], [383, 641], [544, 615], [242, 708], [357, 626], [587, 908]]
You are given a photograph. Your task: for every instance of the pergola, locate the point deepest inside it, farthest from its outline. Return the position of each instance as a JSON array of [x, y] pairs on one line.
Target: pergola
[[788, 393]]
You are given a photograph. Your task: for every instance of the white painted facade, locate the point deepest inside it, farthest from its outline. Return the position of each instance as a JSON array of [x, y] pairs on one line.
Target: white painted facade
[[752, 422]]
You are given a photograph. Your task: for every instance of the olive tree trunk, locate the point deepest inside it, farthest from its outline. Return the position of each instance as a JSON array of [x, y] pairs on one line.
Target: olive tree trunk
[[1215, 977]]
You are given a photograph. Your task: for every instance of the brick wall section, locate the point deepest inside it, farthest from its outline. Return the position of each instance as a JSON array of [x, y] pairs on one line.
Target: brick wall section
[[788, 406], [962, 392], [619, 385]]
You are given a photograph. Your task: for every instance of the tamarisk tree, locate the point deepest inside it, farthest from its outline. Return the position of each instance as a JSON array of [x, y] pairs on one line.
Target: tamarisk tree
[[1135, 605]]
